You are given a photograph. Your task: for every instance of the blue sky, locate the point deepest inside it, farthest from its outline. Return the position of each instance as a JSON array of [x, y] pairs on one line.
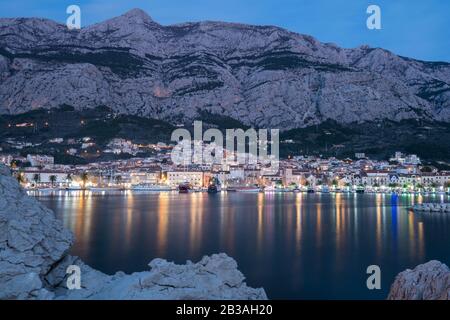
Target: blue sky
[[414, 28]]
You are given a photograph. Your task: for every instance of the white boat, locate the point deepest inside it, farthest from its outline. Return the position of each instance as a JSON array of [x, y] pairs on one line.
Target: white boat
[[74, 188], [47, 189], [269, 189], [248, 189], [101, 189], [150, 187]]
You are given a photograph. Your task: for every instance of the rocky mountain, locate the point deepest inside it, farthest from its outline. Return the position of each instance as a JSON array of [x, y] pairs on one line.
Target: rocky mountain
[[263, 76]]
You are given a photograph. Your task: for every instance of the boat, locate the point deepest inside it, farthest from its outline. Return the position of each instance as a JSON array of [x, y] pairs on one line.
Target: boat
[[184, 187], [359, 190], [248, 189], [47, 189], [325, 189], [212, 188], [103, 189], [150, 187], [311, 190], [74, 188]]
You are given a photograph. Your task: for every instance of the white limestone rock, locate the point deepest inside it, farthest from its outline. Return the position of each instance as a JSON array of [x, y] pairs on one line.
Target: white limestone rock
[[31, 241], [214, 277], [429, 281]]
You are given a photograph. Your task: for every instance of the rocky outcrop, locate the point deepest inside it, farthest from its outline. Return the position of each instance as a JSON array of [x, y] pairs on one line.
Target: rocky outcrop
[[432, 207], [263, 76], [214, 277], [34, 259], [429, 281], [32, 241]]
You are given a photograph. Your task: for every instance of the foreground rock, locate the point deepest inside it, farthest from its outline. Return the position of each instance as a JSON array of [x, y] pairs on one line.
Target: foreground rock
[[31, 242], [214, 277], [34, 258], [429, 281]]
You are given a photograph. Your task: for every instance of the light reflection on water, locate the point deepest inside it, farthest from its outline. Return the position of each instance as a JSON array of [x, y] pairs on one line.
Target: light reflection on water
[[300, 245]]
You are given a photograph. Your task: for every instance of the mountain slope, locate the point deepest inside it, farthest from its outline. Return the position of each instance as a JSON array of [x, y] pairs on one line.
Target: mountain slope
[[260, 75]]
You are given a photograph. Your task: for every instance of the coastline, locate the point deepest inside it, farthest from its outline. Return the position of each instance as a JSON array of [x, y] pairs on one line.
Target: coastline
[[34, 259]]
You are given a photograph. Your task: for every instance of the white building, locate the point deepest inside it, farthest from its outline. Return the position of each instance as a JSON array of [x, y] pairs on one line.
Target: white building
[[376, 178], [119, 145], [195, 178], [145, 177], [37, 160], [435, 179], [6, 159], [45, 177], [56, 140]]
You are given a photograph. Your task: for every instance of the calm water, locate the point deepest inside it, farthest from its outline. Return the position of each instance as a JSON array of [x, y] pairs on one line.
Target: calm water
[[296, 246]]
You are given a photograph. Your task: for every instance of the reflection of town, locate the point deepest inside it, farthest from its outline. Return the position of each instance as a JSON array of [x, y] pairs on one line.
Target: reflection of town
[[159, 216], [401, 173]]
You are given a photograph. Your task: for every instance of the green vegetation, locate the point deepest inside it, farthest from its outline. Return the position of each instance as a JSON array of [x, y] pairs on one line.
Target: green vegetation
[[52, 180], [221, 121], [378, 140], [20, 177], [36, 178], [84, 178]]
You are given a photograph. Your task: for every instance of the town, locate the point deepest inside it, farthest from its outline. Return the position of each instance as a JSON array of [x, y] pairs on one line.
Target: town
[[401, 173]]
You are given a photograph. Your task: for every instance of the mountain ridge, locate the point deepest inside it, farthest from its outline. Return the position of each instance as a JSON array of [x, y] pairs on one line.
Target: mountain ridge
[[263, 76]]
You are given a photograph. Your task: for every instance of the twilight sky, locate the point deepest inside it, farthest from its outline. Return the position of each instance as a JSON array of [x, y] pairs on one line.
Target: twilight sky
[[414, 28]]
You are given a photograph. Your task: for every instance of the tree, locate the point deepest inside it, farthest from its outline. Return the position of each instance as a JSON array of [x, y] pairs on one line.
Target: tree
[[36, 178], [53, 179], [20, 177], [118, 179], [69, 177], [335, 183], [393, 185], [84, 177]]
